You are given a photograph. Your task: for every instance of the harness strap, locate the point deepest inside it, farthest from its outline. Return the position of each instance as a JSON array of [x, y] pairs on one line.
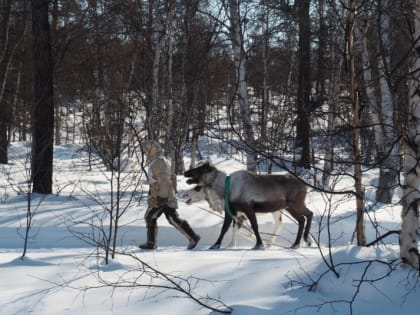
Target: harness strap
[[227, 197]]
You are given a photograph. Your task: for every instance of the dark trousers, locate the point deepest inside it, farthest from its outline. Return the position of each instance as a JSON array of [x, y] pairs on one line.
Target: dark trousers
[[151, 216]]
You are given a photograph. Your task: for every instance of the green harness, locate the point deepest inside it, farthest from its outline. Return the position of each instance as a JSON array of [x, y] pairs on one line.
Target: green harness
[[227, 197]]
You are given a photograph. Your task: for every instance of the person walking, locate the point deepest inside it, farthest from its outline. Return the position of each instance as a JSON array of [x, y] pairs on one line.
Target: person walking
[[162, 199]]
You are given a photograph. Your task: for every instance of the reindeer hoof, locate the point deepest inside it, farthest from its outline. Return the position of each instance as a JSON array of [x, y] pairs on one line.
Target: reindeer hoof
[[258, 247], [215, 246], [295, 246]]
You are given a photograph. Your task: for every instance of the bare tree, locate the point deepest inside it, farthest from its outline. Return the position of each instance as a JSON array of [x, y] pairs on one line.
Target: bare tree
[[239, 55], [304, 83], [190, 83], [410, 211], [388, 147], [158, 40], [13, 31], [43, 119], [333, 91], [170, 95], [5, 7], [359, 191]]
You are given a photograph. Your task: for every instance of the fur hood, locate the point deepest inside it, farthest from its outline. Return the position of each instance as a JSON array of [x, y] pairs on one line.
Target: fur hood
[[152, 149]]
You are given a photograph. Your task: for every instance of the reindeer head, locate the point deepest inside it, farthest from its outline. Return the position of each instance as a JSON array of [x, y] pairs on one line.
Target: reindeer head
[[199, 193], [194, 195], [195, 174]]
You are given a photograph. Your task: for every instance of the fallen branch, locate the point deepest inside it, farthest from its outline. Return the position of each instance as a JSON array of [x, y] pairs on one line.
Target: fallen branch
[[383, 236]]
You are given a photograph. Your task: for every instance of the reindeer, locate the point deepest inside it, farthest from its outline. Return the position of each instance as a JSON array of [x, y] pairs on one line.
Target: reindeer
[[216, 202], [252, 193]]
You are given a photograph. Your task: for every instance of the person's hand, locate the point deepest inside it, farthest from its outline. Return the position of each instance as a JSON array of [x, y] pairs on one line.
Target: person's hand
[[162, 202], [152, 202], [154, 188]]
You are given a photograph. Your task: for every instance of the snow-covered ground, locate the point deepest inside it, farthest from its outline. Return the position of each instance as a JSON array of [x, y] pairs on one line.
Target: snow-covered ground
[[63, 273]]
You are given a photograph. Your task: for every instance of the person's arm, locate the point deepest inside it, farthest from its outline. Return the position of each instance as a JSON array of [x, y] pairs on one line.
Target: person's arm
[[160, 184]]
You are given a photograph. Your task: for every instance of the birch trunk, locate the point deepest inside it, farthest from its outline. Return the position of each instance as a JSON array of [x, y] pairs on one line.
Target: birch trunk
[[170, 107], [242, 93], [388, 150], [411, 196], [332, 90], [367, 77], [158, 41], [359, 192], [265, 92], [333, 93]]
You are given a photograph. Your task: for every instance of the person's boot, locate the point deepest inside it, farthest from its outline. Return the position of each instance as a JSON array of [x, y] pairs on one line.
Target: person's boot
[[182, 226], [151, 238], [193, 241], [191, 235]]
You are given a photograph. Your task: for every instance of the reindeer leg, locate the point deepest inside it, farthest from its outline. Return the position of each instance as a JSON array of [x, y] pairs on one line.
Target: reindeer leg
[[233, 240], [301, 222], [225, 228], [277, 226], [308, 214], [254, 224]]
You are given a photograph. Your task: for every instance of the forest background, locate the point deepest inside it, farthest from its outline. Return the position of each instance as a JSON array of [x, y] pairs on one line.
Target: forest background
[[323, 89]]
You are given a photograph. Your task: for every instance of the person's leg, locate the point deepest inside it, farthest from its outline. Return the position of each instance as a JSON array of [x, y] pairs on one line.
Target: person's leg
[[151, 216], [182, 226]]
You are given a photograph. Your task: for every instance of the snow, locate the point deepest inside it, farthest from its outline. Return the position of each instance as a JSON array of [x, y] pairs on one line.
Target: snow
[[63, 273]]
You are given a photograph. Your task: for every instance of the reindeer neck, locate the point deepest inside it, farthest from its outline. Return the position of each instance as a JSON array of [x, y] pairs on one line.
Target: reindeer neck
[[218, 184]]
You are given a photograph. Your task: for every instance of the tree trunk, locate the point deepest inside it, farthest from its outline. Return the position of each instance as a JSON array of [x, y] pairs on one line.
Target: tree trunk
[[389, 149], [43, 113], [4, 70], [4, 143], [333, 94], [411, 196], [58, 110], [242, 92], [304, 84], [187, 114], [158, 41], [169, 141], [265, 92], [359, 192], [322, 47], [362, 32]]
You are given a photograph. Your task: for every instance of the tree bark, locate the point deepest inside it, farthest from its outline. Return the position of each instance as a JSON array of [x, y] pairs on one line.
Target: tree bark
[[169, 141], [158, 38], [322, 47], [187, 114], [388, 147], [333, 95], [58, 111], [362, 31], [242, 91], [43, 107], [4, 143], [411, 196], [4, 70], [304, 84], [359, 192], [265, 87]]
